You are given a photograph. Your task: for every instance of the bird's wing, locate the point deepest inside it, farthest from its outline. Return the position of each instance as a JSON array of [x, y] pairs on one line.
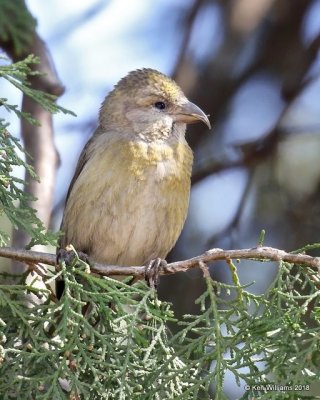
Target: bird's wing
[[84, 157]]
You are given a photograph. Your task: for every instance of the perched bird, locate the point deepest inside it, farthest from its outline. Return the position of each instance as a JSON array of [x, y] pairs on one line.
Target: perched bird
[[128, 199]]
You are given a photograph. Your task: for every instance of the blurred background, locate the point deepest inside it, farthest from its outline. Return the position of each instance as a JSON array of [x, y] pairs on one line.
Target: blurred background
[[253, 66]]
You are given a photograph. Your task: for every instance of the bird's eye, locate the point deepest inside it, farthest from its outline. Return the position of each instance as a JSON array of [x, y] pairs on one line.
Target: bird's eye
[[160, 105]]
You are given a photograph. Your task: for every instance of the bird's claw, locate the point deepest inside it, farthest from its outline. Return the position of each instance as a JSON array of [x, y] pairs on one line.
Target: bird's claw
[[152, 271], [68, 256]]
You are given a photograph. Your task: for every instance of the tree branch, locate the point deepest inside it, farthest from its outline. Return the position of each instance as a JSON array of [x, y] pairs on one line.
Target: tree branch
[[38, 140], [255, 253]]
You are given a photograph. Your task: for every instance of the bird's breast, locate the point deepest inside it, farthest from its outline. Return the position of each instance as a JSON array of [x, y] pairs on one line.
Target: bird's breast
[[136, 201], [169, 165]]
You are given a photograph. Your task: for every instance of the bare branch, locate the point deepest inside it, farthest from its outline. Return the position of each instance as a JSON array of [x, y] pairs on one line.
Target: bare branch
[[38, 140], [255, 253], [188, 24], [235, 221]]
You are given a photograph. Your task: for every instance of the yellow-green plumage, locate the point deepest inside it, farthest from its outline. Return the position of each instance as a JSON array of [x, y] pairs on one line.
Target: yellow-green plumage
[[129, 198], [135, 204]]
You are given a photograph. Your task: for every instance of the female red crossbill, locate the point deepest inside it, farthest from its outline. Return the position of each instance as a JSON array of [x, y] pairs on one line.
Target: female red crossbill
[[128, 199]]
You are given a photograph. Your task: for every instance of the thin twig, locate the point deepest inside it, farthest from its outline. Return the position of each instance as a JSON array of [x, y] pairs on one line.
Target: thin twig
[[235, 221], [188, 26], [255, 253]]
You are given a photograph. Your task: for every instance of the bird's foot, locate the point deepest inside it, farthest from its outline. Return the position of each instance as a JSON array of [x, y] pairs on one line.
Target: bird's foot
[[152, 271], [68, 256]]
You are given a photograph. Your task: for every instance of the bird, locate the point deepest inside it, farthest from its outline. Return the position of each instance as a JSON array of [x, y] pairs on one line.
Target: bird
[[128, 199]]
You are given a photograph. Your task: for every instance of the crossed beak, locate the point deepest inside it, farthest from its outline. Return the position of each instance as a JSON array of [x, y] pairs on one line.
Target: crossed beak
[[189, 113]]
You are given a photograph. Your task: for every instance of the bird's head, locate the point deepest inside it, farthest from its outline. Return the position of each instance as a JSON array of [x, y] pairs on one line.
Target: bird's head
[[149, 105]]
